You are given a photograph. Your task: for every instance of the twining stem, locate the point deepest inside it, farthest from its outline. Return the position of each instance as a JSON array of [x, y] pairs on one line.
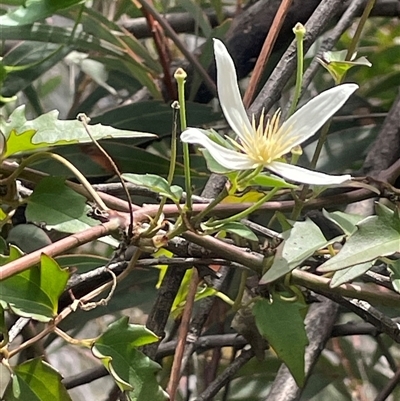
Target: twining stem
[[299, 204], [175, 106], [47, 155], [360, 27], [247, 211], [180, 76], [299, 30], [238, 301], [221, 196], [85, 121]]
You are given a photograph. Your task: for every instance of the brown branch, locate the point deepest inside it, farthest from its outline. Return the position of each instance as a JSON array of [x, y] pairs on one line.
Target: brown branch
[[271, 92], [181, 46], [266, 51], [61, 246], [389, 387], [162, 50], [183, 331], [183, 22], [226, 376]]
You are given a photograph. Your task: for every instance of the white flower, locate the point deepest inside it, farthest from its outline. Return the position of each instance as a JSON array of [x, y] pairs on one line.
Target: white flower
[[258, 146]]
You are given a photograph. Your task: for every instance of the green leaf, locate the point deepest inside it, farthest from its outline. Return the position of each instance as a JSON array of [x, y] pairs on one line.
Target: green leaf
[[77, 39], [265, 180], [373, 238], [83, 263], [299, 244], [394, 268], [35, 292], [239, 229], [14, 253], [347, 222], [155, 116], [133, 371], [281, 323], [156, 184], [36, 380], [199, 15], [207, 54], [349, 273], [337, 65], [388, 216], [100, 26], [46, 130], [343, 149], [27, 62], [59, 206], [34, 10], [28, 237]]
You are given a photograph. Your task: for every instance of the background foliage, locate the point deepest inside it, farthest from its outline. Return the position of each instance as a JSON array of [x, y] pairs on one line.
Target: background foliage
[[112, 61]]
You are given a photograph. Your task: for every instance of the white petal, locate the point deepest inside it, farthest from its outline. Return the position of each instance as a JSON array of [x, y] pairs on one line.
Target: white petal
[[228, 91], [304, 176], [227, 158], [309, 119]]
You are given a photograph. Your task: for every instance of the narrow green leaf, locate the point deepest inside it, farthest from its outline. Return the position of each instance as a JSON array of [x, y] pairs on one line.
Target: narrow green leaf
[[199, 15], [133, 371], [36, 380], [349, 273], [77, 39], [34, 10], [265, 180], [100, 26], [35, 292], [47, 130], [239, 229], [299, 244], [373, 238], [281, 323], [156, 184], [28, 61]]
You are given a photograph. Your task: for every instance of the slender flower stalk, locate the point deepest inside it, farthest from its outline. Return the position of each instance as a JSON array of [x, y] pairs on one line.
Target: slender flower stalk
[[260, 145], [180, 76]]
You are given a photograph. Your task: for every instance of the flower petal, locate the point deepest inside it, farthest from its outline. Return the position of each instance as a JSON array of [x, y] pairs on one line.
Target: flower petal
[[304, 176], [228, 91], [309, 119], [227, 158]]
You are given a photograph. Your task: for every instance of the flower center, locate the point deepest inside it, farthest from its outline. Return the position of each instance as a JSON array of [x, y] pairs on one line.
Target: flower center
[[264, 144]]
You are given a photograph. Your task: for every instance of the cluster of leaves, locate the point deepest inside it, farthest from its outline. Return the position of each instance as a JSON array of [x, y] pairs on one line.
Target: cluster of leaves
[[114, 65]]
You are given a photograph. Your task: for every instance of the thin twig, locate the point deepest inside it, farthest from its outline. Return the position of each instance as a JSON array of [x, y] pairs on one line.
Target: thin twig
[[389, 387], [181, 46], [266, 51], [226, 375], [271, 92], [183, 331], [162, 50], [329, 42]]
